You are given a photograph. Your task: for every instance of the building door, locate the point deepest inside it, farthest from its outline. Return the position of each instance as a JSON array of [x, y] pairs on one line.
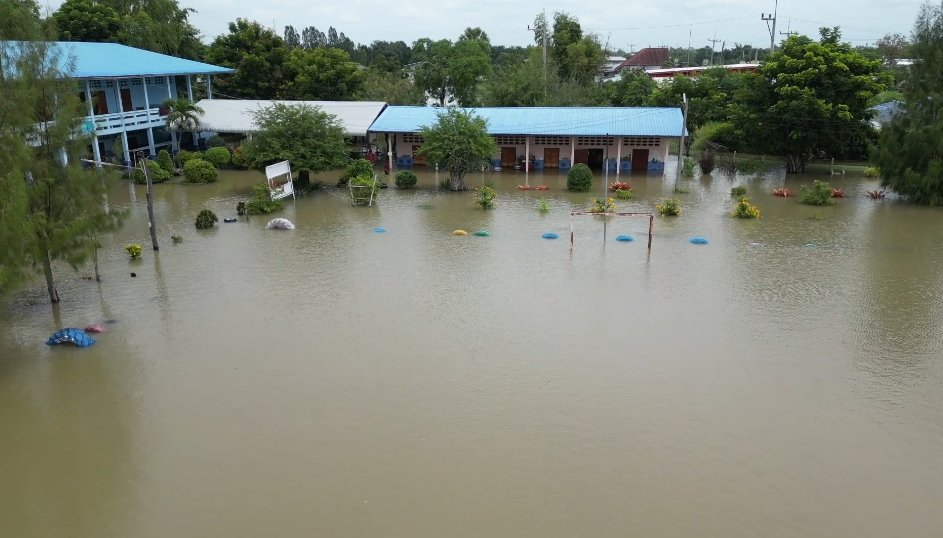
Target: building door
[[594, 157], [417, 158], [508, 157], [581, 156], [551, 157], [126, 99], [639, 160]]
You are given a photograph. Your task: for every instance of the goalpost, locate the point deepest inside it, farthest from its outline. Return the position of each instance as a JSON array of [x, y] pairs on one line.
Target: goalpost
[[651, 222]]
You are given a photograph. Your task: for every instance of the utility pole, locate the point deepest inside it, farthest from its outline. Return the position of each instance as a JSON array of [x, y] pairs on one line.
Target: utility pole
[[772, 29], [788, 33], [690, 28], [543, 39], [723, 45], [714, 42]]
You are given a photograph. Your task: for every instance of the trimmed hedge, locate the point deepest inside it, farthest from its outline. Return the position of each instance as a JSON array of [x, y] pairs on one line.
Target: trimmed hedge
[[200, 171], [580, 178], [165, 161], [405, 179], [158, 174], [219, 156]]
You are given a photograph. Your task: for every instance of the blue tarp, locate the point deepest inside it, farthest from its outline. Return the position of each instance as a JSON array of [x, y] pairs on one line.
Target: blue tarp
[[70, 336]]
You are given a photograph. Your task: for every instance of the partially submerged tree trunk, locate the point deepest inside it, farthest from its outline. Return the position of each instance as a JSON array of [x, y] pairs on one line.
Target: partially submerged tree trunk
[[50, 284], [457, 181], [795, 164]]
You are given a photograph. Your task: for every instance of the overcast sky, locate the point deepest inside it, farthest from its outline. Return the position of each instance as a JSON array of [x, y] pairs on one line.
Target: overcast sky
[[624, 24]]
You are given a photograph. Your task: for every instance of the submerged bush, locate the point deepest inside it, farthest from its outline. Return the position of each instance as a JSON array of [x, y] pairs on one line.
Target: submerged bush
[[157, 173], [363, 188], [602, 205], [261, 202], [200, 171], [820, 193], [219, 156], [239, 158], [184, 155], [746, 210], [484, 196], [707, 162], [405, 179], [579, 179], [543, 206], [669, 208], [687, 169], [872, 171], [134, 250], [624, 195], [165, 161], [738, 192], [357, 168], [206, 219]]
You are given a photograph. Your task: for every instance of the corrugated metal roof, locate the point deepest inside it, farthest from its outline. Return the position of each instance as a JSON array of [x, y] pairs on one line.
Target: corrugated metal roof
[[235, 116], [111, 60], [562, 121]]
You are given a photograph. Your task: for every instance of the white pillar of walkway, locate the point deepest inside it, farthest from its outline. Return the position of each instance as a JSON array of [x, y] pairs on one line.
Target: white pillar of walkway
[[619, 158], [209, 86], [389, 156], [572, 151], [91, 114], [150, 130], [124, 128]]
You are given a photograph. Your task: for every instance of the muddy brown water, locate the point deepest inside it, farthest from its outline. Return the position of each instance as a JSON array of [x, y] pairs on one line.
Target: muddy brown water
[[784, 380]]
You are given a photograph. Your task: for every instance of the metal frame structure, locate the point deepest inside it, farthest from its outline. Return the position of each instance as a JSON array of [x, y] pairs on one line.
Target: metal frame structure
[[651, 222]]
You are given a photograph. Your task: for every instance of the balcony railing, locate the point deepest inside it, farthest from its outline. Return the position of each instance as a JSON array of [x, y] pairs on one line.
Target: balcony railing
[[123, 121]]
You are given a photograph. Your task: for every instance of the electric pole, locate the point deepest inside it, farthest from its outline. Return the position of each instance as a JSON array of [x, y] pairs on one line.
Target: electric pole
[[788, 31], [772, 29], [714, 42]]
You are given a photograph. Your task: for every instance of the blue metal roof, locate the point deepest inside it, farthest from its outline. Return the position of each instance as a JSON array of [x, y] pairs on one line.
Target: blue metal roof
[[111, 60], [561, 121]]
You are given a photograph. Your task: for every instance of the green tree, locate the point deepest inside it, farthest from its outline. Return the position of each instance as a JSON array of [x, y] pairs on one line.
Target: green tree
[[577, 56], [62, 205], [811, 99], [324, 74], [158, 25], [910, 154], [450, 72], [259, 57], [84, 20], [392, 88], [311, 139], [524, 85], [634, 88], [183, 115], [459, 140]]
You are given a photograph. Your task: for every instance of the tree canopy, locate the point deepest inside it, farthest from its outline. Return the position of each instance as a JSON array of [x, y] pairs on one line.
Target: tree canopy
[[258, 56], [325, 74], [308, 137], [910, 154], [459, 140], [450, 73]]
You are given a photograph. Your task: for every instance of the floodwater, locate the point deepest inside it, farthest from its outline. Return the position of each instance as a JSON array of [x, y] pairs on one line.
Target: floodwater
[[785, 380]]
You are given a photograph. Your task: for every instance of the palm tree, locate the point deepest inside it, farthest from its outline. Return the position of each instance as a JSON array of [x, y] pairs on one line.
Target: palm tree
[[184, 115]]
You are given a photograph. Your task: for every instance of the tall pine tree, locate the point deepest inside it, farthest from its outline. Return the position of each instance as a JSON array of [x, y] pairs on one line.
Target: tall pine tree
[[910, 155]]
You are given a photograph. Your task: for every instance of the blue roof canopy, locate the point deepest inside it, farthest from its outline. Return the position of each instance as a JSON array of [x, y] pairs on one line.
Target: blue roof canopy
[[561, 121], [111, 60]]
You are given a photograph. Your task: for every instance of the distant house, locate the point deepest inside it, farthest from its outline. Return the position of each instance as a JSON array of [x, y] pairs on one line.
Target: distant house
[[123, 88], [612, 65], [645, 59], [885, 112]]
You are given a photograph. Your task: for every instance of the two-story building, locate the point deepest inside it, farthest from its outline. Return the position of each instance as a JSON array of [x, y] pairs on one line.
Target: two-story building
[[123, 88]]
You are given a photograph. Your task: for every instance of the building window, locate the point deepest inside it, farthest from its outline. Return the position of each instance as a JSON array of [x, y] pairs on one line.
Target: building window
[[413, 138], [642, 141], [551, 140], [594, 141], [508, 140]]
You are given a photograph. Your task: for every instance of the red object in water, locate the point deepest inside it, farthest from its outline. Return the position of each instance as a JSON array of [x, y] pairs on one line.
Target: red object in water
[[386, 169], [838, 193], [94, 329], [785, 193]]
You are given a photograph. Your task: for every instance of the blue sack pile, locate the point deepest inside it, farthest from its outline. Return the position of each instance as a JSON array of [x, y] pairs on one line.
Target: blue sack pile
[[73, 336]]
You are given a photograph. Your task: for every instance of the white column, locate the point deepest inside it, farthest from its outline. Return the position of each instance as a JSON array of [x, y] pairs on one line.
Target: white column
[[619, 157], [209, 86], [526, 154], [124, 128], [190, 97], [572, 151], [389, 143], [150, 130], [91, 114], [170, 95]]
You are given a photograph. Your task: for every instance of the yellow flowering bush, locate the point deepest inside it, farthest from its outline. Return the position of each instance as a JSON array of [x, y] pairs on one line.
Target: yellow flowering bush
[[746, 210], [602, 205], [669, 208]]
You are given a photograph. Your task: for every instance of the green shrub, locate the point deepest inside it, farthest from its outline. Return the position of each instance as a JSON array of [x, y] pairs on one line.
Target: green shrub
[[357, 168], [219, 156], [624, 194], [206, 219], [543, 206], [405, 179], [165, 161], [215, 141], [134, 250], [751, 166], [820, 193], [580, 178], [681, 190], [261, 202], [484, 196], [738, 192], [602, 205], [200, 171], [872, 171], [746, 210], [669, 208], [158, 174], [239, 158], [707, 162], [183, 156], [445, 184], [687, 169], [367, 188]]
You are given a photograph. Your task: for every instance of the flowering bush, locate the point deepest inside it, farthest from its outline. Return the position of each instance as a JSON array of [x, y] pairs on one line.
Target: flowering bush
[[838, 193], [746, 210], [602, 205], [875, 195], [484, 196], [785, 193], [669, 208], [134, 250], [620, 186]]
